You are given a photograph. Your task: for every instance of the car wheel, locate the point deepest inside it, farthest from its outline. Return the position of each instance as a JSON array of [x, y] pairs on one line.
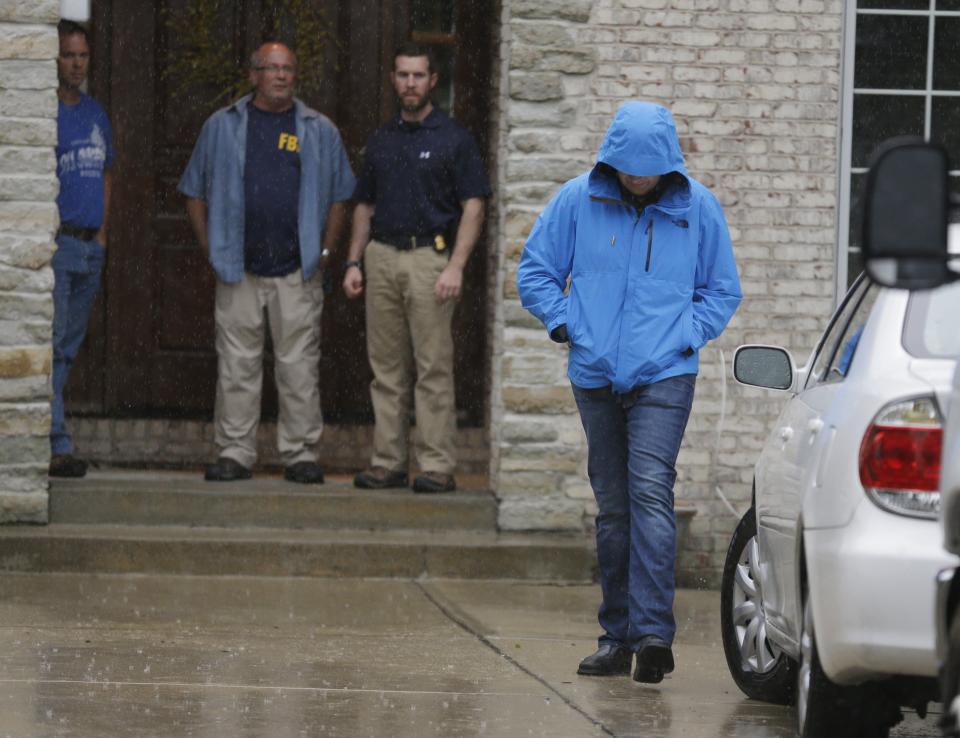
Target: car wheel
[[757, 664], [828, 709], [950, 681]]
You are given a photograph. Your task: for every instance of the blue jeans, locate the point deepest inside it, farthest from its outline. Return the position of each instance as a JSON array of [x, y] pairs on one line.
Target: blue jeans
[[76, 272], [633, 440]]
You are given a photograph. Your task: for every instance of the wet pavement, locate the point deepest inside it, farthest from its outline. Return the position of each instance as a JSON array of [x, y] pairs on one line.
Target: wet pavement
[[128, 655]]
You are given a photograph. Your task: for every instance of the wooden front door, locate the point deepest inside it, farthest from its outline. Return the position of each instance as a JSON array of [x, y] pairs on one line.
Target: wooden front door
[[150, 350]]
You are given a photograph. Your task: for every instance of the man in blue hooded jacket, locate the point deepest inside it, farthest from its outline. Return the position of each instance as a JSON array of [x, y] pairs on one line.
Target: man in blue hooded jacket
[[652, 278]]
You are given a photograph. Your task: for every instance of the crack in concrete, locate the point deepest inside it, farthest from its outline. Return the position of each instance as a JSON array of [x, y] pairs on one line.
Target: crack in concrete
[[463, 623]]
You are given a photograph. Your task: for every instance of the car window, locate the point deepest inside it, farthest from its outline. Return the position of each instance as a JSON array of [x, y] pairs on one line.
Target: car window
[[930, 328], [839, 343], [847, 345]]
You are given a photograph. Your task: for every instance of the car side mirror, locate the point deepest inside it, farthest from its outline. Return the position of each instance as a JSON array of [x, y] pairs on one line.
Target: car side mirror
[[770, 367], [906, 209]]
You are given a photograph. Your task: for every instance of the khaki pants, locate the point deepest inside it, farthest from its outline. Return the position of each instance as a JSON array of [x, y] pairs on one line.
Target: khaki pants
[[408, 331], [293, 310]]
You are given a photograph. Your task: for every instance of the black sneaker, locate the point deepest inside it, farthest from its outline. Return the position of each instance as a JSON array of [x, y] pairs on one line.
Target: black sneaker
[[226, 469], [609, 660], [67, 465], [654, 659], [304, 472]]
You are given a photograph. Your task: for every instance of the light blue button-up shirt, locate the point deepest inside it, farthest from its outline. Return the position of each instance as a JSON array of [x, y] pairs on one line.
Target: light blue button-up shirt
[[215, 175]]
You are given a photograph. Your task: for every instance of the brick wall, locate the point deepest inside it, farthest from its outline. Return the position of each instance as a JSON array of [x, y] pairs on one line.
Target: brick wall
[[28, 219], [754, 87]]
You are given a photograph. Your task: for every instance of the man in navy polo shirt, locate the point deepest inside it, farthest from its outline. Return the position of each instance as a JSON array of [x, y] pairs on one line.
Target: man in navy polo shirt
[[84, 156], [267, 219], [420, 206]]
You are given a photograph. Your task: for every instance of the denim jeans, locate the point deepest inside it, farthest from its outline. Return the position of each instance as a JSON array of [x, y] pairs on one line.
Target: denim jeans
[[633, 440], [76, 272]]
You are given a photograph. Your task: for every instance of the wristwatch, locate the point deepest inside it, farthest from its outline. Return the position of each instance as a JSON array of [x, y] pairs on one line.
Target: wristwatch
[[352, 263]]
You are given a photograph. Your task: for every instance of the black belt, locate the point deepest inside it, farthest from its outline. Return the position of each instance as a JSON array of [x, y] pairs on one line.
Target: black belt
[[408, 243], [84, 234]]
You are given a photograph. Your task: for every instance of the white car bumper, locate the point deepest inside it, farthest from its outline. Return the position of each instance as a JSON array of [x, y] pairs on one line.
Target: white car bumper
[[872, 588]]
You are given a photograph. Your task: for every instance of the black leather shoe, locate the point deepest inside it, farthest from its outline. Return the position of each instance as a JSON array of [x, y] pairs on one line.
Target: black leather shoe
[[607, 661], [66, 465], [654, 659], [379, 477], [226, 469], [304, 472], [431, 482]]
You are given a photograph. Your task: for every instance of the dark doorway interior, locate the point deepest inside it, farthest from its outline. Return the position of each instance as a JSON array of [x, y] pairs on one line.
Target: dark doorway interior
[[149, 352]]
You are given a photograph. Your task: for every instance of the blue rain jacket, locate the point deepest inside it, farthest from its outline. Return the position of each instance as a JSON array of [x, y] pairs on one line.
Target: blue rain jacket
[[646, 291]]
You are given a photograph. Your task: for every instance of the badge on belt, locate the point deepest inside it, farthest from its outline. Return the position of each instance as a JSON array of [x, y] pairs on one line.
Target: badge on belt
[[439, 243]]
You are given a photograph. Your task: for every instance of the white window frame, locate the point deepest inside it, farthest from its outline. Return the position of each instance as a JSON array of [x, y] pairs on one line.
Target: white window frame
[[846, 116]]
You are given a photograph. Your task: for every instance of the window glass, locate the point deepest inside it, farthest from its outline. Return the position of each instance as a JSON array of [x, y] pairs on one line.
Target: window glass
[[891, 42], [829, 342], [946, 61], [846, 348], [432, 15], [891, 52], [433, 23], [878, 117], [894, 4], [945, 125], [930, 329]]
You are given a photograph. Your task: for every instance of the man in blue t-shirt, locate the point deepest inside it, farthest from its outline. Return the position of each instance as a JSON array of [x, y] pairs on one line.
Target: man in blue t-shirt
[[260, 218], [420, 204], [84, 157]]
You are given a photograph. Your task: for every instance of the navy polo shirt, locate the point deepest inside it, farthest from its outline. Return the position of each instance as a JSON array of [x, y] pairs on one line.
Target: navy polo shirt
[[417, 174], [271, 182]]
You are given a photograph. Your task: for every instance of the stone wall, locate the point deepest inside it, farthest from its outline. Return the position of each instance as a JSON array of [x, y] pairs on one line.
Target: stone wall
[[754, 86], [28, 220]]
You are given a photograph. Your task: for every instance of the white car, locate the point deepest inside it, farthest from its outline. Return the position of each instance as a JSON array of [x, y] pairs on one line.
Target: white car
[[828, 588]]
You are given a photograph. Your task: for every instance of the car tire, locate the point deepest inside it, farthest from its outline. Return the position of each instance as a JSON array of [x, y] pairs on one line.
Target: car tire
[[950, 681], [825, 708], [757, 665]]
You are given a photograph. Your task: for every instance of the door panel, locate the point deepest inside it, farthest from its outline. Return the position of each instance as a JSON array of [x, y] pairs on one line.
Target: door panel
[[150, 351]]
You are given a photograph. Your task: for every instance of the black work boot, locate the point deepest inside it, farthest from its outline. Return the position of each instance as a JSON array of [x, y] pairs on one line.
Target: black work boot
[[67, 465], [304, 472], [654, 659], [379, 477], [226, 469], [608, 660]]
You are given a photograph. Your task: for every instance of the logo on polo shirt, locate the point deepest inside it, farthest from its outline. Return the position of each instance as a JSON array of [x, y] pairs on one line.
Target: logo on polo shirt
[[424, 154], [289, 142]]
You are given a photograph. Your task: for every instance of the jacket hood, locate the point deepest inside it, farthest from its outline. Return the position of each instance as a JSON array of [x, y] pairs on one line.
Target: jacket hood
[[642, 141]]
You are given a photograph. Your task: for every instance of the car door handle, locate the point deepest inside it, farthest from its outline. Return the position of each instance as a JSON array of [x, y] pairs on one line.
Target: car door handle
[[815, 425], [786, 433]]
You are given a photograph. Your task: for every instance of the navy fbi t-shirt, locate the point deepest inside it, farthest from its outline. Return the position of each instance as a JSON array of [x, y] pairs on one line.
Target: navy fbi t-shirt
[[271, 183]]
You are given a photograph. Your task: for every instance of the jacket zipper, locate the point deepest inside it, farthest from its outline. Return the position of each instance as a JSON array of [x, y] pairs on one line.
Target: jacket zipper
[[649, 243]]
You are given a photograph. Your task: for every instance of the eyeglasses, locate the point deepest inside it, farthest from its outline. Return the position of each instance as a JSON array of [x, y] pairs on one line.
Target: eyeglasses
[[276, 68]]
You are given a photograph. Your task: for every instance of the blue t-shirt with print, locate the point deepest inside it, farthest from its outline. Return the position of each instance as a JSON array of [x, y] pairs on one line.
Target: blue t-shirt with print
[[271, 179], [84, 153]]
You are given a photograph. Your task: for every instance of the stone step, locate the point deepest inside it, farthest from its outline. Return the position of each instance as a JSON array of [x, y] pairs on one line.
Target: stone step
[[460, 554], [120, 497]]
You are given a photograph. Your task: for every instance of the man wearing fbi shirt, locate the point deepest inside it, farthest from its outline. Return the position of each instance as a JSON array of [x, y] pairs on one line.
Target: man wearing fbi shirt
[[261, 218], [420, 201]]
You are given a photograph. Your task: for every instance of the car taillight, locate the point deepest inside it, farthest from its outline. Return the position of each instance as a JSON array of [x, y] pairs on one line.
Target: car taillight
[[900, 458]]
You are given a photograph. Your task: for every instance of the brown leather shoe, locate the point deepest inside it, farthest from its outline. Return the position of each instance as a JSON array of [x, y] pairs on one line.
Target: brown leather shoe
[[379, 477], [431, 482]]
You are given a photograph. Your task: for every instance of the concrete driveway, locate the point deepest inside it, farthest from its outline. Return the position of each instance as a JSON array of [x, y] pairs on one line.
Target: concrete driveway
[[113, 655]]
